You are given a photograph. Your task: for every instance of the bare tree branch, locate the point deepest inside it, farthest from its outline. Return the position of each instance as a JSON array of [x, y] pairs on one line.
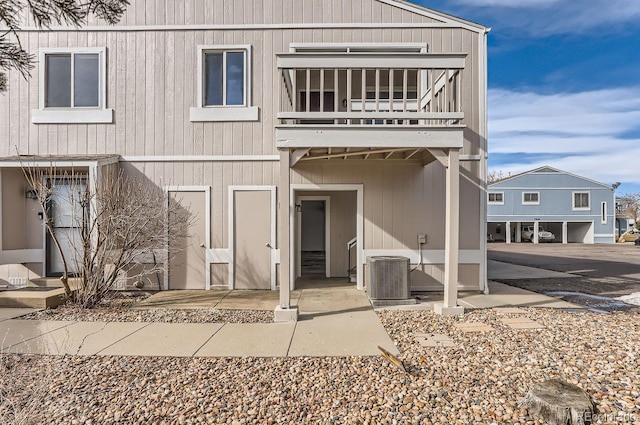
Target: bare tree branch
[[45, 13]]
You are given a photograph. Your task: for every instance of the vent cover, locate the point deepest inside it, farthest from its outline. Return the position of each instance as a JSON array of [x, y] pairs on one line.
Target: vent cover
[[18, 282], [388, 278]]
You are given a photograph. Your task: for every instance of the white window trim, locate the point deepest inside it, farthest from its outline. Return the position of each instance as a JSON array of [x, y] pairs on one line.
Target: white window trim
[[573, 201], [202, 113], [86, 115], [530, 202], [603, 212], [495, 202]]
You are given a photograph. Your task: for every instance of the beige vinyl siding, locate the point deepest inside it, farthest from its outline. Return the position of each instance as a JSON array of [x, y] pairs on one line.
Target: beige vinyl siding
[[21, 228], [224, 12], [218, 175], [152, 83], [401, 200]]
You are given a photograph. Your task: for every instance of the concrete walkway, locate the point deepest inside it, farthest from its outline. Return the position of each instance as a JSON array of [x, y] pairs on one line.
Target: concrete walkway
[[335, 320]]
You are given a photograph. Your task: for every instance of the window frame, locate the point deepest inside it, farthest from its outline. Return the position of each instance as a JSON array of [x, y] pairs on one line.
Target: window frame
[[202, 112], [72, 114], [573, 200], [603, 212], [490, 202], [530, 202]]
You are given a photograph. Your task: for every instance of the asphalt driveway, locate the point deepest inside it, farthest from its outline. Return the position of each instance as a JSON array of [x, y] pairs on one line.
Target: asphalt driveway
[[611, 270]]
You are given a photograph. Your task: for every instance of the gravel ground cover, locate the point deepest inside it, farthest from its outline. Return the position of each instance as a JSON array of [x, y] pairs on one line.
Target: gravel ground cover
[[479, 380], [122, 310]]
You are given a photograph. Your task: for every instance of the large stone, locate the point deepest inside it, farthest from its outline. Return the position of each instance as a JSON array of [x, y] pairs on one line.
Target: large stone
[[559, 403]]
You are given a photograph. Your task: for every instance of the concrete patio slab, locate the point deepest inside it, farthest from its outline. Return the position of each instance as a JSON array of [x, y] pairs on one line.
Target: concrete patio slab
[[12, 313], [254, 300], [32, 299], [335, 299], [355, 333], [183, 299], [501, 270], [16, 331], [249, 340], [501, 295], [80, 338], [164, 339]]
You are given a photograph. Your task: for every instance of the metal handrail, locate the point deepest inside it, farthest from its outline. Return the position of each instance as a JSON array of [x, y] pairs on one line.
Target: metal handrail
[[353, 242]]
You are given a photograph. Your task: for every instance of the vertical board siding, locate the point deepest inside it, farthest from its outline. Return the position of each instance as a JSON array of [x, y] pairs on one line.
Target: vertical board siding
[[152, 83]]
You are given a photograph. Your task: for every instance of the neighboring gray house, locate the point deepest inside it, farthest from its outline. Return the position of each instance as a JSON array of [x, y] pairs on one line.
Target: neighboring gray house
[[573, 208]]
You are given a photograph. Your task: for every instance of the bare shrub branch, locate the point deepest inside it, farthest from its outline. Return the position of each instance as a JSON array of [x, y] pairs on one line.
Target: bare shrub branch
[[124, 227]]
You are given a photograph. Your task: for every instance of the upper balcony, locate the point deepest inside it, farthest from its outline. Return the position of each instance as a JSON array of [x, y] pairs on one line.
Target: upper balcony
[[368, 99]]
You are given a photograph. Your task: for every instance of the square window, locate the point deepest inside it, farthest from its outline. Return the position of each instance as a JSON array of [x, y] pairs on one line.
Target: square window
[[72, 86], [224, 85], [531, 198], [581, 200], [224, 78], [496, 198], [72, 80]]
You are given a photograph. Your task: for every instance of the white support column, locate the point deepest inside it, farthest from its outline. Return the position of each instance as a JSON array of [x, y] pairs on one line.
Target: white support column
[[450, 306], [508, 232], [284, 312], [518, 232], [565, 232], [536, 229]]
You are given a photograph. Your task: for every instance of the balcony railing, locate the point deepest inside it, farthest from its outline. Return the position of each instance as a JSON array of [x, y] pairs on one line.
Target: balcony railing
[[368, 89]]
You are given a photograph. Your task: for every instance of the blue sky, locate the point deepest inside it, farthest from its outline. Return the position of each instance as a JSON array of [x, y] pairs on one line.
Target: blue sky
[[564, 85]]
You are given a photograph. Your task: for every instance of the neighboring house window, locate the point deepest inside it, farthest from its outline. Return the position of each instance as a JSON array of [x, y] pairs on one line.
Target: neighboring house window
[[603, 213], [530, 198], [496, 198], [224, 85], [581, 200], [72, 86]]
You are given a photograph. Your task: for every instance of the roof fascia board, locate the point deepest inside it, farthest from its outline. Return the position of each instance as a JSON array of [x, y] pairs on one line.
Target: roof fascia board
[[237, 27], [557, 171]]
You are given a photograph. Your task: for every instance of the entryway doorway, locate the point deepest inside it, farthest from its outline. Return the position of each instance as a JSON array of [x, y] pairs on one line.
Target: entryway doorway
[[314, 236], [325, 224], [66, 212]]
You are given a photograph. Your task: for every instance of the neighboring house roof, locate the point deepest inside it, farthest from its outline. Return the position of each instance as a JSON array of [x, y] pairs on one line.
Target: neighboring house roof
[[435, 14], [546, 169]]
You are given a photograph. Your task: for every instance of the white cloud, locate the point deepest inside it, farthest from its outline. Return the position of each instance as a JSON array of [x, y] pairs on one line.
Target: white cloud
[[593, 133]]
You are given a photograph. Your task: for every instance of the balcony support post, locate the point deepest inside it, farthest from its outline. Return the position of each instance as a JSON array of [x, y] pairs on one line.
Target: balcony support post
[[284, 312], [452, 234]]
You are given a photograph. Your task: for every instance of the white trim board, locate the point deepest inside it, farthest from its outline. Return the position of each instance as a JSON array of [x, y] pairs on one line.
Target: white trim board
[[359, 189], [232, 27], [200, 158], [207, 227], [327, 234], [231, 221]]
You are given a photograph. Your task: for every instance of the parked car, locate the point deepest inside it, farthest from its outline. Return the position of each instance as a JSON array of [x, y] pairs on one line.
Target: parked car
[[631, 236], [543, 235]]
